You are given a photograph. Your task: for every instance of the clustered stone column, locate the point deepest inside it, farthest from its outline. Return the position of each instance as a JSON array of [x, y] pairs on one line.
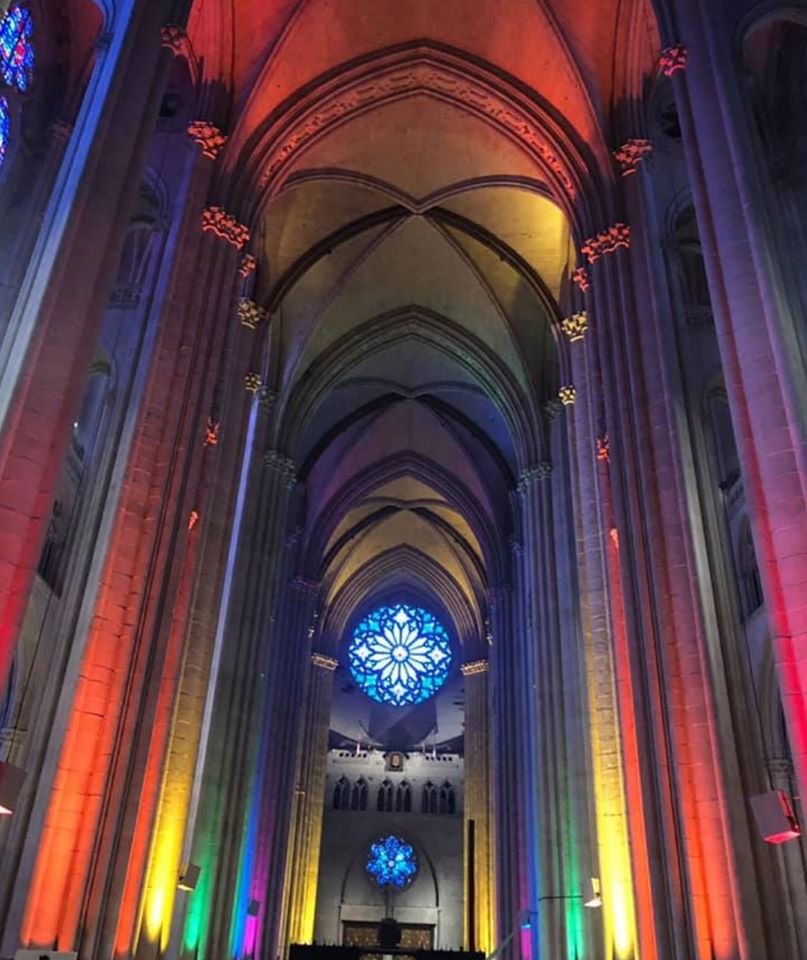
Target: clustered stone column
[[306, 838], [478, 799]]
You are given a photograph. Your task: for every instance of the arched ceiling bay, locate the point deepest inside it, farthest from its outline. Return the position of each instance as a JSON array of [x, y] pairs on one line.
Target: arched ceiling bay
[[413, 165]]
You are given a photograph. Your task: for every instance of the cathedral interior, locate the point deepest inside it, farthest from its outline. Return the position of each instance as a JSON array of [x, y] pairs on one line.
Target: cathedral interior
[[403, 479]]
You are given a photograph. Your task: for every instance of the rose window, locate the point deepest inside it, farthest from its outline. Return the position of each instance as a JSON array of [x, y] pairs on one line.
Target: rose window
[[392, 863]]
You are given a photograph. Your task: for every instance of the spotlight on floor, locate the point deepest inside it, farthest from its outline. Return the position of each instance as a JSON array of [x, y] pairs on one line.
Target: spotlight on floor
[[189, 877], [775, 817], [11, 781], [595, 900]]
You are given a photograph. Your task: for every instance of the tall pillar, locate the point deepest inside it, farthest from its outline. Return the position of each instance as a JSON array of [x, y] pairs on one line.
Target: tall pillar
[[92, 851], [765, 377], [478, 808], [303, 867], [47, 347]]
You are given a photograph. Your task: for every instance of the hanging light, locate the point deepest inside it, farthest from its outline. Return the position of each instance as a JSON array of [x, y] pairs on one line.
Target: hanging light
[[189, 877], [11, 781]]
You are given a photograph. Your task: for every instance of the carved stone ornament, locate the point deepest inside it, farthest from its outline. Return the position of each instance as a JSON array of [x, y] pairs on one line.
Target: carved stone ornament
[[567, 395], [532, 475], [604, 448], [212, 431], [252, 382], [250, 314], [673, 59], [173, 38], [631, 154], [218, 221], [575, 326], [439, 80], [208, 137], [607, 241], [193, 519], [475, 668], [581, 278], [283, 465], [248, 265], [324, 662]]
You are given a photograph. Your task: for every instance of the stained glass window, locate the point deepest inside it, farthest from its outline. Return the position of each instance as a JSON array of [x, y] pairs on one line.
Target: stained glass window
[[392, 863], [400, 654], [16, 50], [5, 124]]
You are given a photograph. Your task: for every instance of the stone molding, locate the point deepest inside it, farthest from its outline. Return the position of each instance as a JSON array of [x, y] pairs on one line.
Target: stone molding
[[250, 314], [324, 662], [672, 59], [575, 326], [442, 80], [631, 154], [607, 241], [216, 220], [474, 668], [208, 137]]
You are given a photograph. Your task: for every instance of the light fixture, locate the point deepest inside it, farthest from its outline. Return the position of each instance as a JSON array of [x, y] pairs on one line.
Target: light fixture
[[254, 907], [11, 781], [189, 877], [775, 817], [595, 900]]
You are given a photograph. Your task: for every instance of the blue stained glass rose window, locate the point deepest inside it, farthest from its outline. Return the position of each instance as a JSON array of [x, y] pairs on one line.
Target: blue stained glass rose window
[[16, 49], [5, 125], [400, 655], [392, 863]]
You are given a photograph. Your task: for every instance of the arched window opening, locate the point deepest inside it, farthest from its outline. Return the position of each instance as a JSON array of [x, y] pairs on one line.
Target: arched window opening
[[448, 802], [384, 801], [403, 798], [690, 270], [16, 48], [428, 798], [358, 796], [751, 597], [721, 430], [341, 794]]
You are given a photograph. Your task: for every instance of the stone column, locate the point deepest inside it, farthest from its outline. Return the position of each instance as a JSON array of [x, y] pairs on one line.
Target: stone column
[[754, 318], [224, 831], [303, 866], [47, 347], [478, 805]]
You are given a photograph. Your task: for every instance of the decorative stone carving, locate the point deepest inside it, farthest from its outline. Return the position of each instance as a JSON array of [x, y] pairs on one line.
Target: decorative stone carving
[[575, 326], [581, 278], [532, 475], [673, 59], [283, 465], [552, 409], [193, 519], [250, 314], [324, 662], [212, 432], [604, 448], [252, 382], [474, 668], [248, 265], [173, 38], [631, 154], [208, 137], [607, 241], [428, 77], [567, 395], [218, 221]]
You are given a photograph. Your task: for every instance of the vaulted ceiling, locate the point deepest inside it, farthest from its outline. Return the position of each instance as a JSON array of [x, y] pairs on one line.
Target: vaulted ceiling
[[413, 171]]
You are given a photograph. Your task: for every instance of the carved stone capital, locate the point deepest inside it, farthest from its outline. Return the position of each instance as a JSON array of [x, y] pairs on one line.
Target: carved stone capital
[[252, 382], [475, 668], [248, 265], [283, 465], [567, 395], [631, 154], [250, 314], [552, 409], [604, 448], [208, 137], [212, 431], [575, 326], [672, 59], [581, 278], [222, 224], [173, 38], [324, 662], [532, 475], [607, 241]]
